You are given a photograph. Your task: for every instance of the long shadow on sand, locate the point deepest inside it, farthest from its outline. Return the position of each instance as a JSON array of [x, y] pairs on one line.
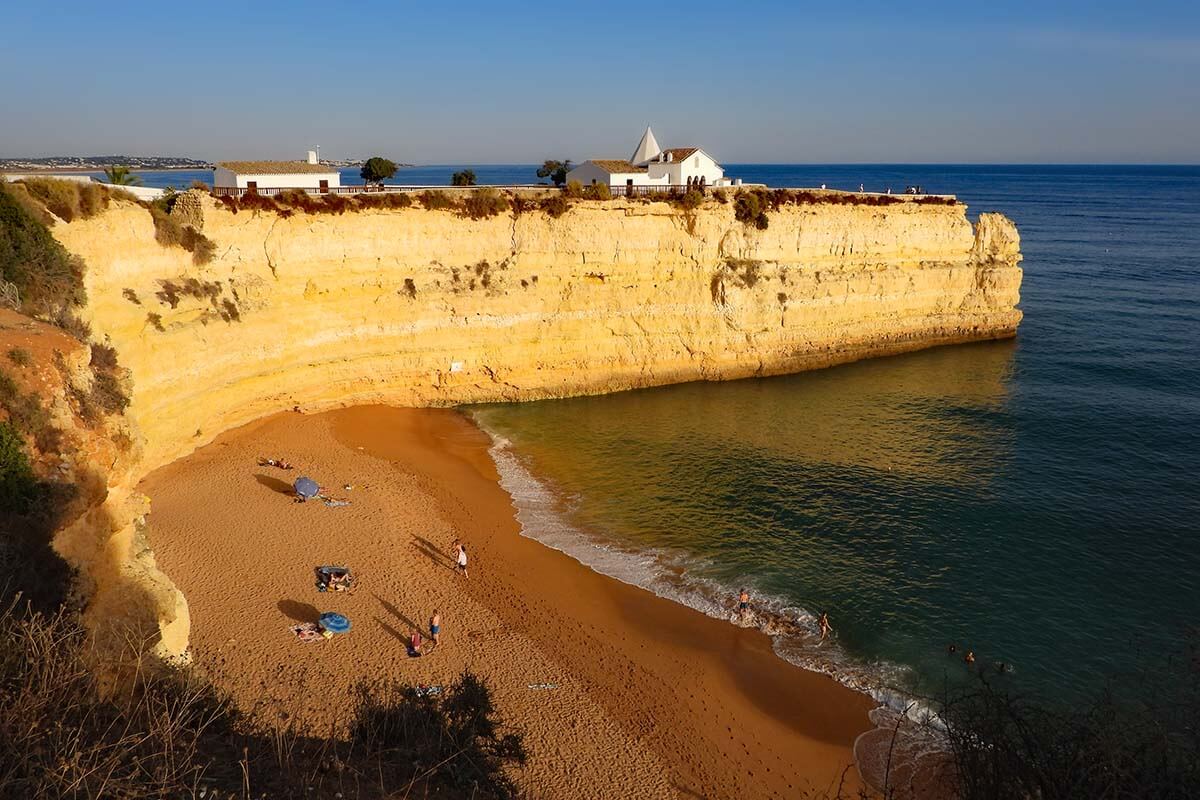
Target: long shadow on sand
[[274, 484], [398, 614], [432, 552], [300, 612]]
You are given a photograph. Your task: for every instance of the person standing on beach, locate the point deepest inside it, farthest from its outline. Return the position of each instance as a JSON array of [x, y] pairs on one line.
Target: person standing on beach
[[435, 626], [461, 560]]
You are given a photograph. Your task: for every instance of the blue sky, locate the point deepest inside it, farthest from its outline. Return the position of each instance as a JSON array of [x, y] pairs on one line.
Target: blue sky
[[475, 82]]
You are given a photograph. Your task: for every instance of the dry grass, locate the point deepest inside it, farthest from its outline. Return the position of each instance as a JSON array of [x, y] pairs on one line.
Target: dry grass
[[165, 733]]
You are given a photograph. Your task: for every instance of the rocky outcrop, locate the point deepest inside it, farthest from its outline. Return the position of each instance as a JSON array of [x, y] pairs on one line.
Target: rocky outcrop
[[419, 307]]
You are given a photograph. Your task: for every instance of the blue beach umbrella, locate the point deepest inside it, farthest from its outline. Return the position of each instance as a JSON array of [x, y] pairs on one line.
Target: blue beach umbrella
[[334, 623], [306, 487]]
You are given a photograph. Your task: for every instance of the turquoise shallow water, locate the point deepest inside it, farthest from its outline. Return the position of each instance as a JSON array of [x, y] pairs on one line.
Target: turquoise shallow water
[[1035, 500]]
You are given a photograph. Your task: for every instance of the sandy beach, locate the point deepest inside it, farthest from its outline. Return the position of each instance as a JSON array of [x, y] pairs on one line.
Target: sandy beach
[[619, 693]]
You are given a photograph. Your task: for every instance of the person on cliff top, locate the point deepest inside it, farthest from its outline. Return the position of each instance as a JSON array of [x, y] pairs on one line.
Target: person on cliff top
[[826, 628]]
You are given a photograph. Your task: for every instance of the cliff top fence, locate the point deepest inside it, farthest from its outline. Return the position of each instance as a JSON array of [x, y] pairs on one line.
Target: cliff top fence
[[543, 189]]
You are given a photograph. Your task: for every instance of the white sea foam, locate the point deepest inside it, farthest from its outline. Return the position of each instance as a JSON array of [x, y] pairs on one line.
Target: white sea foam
[[544, 515]]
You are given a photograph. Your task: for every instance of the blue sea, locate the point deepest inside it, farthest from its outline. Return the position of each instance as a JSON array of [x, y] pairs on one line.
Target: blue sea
[[1035, 500]]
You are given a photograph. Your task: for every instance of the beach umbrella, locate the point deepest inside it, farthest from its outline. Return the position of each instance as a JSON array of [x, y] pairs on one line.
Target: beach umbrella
[[306, 487], [334, 623]]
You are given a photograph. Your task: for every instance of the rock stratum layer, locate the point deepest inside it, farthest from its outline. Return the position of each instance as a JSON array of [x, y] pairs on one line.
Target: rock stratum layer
[[417, 307], [426, 308]]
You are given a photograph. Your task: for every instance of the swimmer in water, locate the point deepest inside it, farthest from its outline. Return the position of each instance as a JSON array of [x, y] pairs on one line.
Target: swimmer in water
[[969, 657], [826, 628], [952, 649]]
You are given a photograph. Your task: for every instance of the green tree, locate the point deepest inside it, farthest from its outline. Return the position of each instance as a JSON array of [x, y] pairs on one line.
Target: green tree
[[377, 170], [555, 171], [121, 176], [464, 178]]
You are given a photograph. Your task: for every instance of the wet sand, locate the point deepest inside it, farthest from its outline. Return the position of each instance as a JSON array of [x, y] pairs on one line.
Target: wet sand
[[650, 698]]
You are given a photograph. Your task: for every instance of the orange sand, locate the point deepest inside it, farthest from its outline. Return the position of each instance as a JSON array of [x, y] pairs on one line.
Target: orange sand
[[652, 699]]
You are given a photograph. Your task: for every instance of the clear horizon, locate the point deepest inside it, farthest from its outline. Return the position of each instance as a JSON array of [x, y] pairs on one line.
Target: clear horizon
[[1098, 83]]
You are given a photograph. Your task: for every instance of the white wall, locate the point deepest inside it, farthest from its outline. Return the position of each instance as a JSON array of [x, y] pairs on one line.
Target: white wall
[[300, 180], [697, 165], [587, 172]]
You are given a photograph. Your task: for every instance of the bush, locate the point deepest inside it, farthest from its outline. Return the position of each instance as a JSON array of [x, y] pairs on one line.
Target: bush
[[18, 487], [20, 356], [574, 190], [437, 201], [598, 191], [750, 208], [1140, 743], [384, 200], [455, 736], [49, 279], [691, 200], [555, 205], [484, 203], [465, 177], [169, 233], [68, 200]]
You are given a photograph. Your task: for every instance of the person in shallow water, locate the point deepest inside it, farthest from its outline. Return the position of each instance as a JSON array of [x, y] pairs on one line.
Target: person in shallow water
[[826, 628], [743, 604]]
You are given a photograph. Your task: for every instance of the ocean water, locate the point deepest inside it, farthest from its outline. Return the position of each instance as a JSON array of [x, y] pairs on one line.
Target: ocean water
[[1034, 500]]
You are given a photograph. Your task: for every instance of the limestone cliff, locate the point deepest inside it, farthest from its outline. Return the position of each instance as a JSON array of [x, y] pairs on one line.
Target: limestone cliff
[[420, 307]]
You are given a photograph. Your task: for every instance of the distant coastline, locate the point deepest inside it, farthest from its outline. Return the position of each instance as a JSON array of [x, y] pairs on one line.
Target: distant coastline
[[135, 163]]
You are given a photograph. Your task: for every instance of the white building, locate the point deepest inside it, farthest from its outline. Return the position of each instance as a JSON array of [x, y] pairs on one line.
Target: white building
[[275, 175], [652, 166]]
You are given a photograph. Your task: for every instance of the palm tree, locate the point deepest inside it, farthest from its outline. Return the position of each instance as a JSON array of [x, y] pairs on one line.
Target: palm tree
[[121, 176]]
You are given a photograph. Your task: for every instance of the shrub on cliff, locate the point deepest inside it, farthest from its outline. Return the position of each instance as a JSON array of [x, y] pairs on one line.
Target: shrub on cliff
[[598, 191], [554, 206], [437, 201], [168, 232], [167, 733], [455, 736], [486, 202], [691, 200], [18, 487], [464, 177], [750, 208], [574, 190], [68, 199], [49, 280]]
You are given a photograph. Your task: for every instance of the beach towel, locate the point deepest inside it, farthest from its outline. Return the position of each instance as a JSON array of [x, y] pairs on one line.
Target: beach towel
[[308, 632]]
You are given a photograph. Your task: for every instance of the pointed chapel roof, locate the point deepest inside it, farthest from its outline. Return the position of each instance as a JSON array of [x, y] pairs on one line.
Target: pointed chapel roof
[[647, 148]]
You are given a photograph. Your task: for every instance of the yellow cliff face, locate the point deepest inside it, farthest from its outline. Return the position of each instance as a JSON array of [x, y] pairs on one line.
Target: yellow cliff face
[[419, 307]]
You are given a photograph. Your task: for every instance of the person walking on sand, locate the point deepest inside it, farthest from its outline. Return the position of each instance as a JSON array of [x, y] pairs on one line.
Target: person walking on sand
[[461, 560], [826, 628], [435, 626]]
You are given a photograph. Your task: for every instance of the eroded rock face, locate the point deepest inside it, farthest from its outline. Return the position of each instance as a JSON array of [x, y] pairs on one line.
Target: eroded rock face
[[418, 307]]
